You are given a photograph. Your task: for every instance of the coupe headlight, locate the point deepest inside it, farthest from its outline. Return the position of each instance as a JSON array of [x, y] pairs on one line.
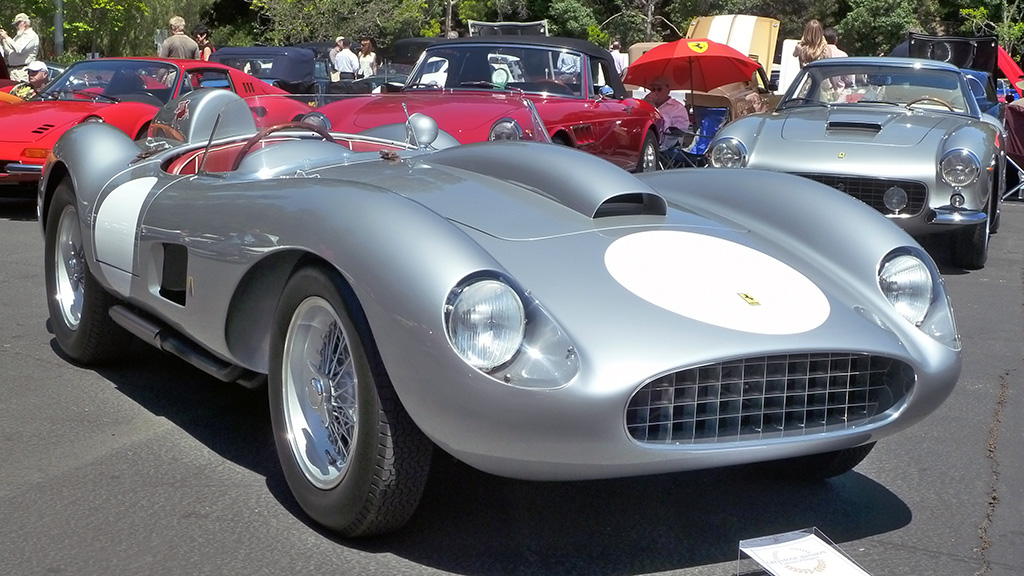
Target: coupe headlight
[[728, 153], [959, 167], [506, 129], [907, 282], [486, 323], [93, 119], [318, 119]]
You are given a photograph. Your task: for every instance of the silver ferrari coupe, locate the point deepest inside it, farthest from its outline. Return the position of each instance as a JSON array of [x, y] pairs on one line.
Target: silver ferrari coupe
[[903, 135], [531, 309]]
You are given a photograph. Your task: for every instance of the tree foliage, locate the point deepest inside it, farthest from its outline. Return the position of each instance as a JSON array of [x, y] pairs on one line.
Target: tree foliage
[[866, 27]]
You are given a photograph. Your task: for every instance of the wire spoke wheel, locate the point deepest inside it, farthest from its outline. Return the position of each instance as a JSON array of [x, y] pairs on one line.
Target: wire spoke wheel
[[69, 268], [320, 393]]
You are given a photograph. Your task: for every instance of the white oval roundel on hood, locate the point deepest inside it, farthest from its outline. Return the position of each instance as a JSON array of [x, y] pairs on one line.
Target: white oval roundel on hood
[[717, 282]]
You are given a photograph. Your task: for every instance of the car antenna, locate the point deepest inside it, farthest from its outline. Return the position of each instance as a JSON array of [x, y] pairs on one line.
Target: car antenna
[[410, 134]]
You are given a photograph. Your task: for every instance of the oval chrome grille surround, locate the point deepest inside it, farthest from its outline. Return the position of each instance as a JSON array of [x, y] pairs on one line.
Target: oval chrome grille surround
[[766, 397]]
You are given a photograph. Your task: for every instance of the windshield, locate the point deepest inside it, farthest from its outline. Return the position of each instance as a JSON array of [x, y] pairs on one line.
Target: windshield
[[115, 81], [535, 69], [843, 84]]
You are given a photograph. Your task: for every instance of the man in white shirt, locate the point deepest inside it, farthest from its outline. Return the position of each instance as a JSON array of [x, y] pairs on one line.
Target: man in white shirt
[[621, 60], [345, 61], [21, 49]]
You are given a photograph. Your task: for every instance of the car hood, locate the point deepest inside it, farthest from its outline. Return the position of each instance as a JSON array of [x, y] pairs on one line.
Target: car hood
[[895, 127], [465, 117], [38, 120]]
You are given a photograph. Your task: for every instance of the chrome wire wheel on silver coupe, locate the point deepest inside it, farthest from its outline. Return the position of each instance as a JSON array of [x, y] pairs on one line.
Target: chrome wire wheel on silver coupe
[[320, 393], [352, 456], [69, 268], [77, 303]]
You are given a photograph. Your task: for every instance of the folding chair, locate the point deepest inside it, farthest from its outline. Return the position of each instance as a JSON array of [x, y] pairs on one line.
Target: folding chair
[[1013, 120], [690, 149]]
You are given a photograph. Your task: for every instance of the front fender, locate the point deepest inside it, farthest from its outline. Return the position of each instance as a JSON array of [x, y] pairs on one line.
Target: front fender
[[90, 154]]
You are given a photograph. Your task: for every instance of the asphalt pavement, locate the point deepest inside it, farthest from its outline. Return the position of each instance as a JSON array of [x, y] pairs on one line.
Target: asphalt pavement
[[151, 467]]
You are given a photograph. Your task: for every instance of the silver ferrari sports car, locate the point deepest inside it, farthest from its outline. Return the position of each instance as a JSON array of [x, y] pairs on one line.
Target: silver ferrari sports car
[[903, 135], [530, 309]]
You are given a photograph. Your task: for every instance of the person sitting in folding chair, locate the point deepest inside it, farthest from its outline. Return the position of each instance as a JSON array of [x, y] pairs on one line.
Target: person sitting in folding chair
[[674, 125]]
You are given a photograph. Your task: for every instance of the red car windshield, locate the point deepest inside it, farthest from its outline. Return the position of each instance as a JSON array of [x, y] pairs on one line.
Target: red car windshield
[[115, 81]]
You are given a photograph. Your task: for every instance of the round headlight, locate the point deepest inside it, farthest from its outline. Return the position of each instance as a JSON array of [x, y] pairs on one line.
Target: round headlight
[[506, 129], [486, 323], [93, 119], [728, 153], [318, 119], [959, 167], [907, 284]]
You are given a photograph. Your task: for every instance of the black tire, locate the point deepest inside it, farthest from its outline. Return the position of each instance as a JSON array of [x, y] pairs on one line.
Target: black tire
[[78, 305], [356, 464], [648, 159], [817, 467], [970, 246]]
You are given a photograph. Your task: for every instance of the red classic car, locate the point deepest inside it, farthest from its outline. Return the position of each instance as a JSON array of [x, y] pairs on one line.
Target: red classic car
[[123, 92], [572, 84]]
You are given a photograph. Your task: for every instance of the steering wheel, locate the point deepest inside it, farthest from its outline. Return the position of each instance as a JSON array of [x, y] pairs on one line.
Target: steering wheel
[[255, 138], [931, 99]]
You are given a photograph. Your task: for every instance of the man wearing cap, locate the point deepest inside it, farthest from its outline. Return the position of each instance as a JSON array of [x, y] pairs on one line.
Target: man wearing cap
[[22, 49], [37, 77]]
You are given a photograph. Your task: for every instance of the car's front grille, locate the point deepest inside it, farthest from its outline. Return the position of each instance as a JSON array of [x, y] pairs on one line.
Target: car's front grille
[[766, 397], [871, 190]]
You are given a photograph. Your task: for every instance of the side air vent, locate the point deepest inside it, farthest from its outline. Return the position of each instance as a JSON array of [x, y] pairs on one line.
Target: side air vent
[[43, 129]]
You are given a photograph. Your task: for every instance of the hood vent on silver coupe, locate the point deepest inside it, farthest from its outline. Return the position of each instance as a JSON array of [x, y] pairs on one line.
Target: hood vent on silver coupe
[[43, 128], [848, 125], [632, 204]]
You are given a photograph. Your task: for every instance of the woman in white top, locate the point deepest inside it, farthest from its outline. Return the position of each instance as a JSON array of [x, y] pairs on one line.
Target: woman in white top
[[367, 59]]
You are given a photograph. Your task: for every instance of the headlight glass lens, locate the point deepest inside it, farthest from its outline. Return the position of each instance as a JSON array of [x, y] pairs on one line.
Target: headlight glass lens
[[506, 129], [728, 153], [486, 323], [907, 284], [959, 167], [317, 119]]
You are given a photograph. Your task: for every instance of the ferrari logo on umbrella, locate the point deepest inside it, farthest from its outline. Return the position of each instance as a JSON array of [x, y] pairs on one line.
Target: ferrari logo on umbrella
[[698, 47]]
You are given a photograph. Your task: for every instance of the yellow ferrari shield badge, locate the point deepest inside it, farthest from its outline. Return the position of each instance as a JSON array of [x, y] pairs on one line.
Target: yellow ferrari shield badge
[[698, 47]]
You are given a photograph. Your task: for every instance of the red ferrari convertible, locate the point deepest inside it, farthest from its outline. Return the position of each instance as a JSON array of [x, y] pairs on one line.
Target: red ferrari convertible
[[572, 84], [123, 92]]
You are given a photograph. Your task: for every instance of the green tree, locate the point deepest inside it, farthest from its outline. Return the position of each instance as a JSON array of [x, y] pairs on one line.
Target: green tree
[[874, 26], [1003, 22]]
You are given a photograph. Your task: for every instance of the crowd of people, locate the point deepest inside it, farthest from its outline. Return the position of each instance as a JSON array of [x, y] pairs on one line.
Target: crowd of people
[[349, 63], [178, 44]]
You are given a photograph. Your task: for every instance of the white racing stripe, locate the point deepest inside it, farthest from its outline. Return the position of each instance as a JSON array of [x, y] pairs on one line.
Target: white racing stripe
[[717, 282], [116, 226]]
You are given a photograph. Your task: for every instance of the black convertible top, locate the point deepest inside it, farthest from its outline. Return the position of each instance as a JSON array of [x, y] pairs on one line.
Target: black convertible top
[[591, 50], [288, 64], [584, 46]]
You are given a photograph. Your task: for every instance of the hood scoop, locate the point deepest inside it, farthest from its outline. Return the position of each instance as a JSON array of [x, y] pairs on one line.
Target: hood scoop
[[587, 184], [840, 125]]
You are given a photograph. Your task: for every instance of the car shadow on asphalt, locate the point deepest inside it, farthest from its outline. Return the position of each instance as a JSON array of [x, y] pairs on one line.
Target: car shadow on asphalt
[[17, 207], [470, 522]]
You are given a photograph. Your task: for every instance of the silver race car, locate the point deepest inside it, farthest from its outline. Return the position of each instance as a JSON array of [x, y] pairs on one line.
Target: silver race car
[[906, 136], [530, 309]]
